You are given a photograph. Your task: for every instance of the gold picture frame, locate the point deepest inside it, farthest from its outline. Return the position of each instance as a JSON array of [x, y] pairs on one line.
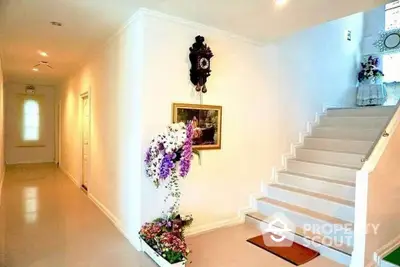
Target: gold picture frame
[[206, 120]]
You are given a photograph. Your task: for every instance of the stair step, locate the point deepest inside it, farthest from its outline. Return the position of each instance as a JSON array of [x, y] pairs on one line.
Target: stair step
[[330, 157], [264, 222], [354, 122], [362, 111], [320, 217], [329, 187], [307, 219], [330, 171], [339, 145], [346, 133], [316, 195], [328, 205]]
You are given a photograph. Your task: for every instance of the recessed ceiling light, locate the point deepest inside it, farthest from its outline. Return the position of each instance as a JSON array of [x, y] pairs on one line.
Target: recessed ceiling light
[[280, 2], [43, 54], [35, 69], [56, 23]]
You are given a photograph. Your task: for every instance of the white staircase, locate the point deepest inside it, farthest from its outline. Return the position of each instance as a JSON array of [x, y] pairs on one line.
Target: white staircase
[[316, 192]]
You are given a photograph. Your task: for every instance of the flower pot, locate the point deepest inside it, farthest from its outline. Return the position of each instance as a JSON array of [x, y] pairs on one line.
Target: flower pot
[[157, 258]]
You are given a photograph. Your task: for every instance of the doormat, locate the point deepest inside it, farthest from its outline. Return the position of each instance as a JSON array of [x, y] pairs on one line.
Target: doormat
[[394, 257], [291, 252]]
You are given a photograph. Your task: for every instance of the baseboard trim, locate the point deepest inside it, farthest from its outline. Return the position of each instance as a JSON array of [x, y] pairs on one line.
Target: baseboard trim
[[326, 107], [386, 250], [31, 162], [70, 176], [108, 213], [202, 229], [234, 221], [113, 219]]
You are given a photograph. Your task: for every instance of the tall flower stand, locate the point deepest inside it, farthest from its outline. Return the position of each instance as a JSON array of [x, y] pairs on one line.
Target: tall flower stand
[[168, 160], [371, 94]]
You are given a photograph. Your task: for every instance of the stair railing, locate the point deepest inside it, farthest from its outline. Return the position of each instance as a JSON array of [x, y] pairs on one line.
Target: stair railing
[[374, 187], [384, 133]]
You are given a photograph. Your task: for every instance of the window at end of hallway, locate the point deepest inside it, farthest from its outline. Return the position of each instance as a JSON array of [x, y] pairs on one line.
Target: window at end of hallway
[[31, 120]]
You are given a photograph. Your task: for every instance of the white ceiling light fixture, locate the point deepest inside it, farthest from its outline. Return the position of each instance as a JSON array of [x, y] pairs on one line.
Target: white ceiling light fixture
[[42, 53], [45, 63], [281, 2], [30, 90], [35, 69]]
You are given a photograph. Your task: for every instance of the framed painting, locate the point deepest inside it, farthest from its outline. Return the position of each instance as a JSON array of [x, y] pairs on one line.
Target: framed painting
[[206, 120]]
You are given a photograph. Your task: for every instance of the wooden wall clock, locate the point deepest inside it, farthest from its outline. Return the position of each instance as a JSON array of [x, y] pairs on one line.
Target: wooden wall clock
[[200, 59]]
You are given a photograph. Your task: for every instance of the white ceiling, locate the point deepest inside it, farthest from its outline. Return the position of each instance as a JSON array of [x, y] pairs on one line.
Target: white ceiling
[[87, 24]]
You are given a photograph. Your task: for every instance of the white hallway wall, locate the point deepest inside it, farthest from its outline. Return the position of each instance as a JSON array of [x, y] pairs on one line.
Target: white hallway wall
[[110, 79], [267, 94], [15, 154]]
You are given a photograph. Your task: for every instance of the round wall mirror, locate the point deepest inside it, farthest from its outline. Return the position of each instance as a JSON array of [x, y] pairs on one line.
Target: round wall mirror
[[392, 40]]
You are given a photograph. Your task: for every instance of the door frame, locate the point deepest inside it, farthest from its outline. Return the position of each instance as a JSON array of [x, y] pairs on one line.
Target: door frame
[[84, 95], [58, 136]]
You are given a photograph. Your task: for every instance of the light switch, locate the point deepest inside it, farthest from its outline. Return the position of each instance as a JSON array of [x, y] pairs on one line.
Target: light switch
[[348, 35]]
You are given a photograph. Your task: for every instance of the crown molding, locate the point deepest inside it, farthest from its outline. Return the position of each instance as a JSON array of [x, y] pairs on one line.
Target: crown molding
[[195, 25]]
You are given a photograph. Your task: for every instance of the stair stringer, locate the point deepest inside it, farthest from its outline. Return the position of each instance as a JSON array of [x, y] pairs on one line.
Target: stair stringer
[[287, 156], [302, 135], [292, 154]]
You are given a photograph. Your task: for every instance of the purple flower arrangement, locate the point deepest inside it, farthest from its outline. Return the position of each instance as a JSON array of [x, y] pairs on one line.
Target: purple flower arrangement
[[187, 151], [168, 158], [370, 70]]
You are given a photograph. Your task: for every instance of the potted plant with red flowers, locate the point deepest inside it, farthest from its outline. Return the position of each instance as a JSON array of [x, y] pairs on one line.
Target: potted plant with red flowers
[[164, 241]]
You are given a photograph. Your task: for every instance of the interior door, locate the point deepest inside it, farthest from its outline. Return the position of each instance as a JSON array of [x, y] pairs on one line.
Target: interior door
[[58, 146], [85, 140]]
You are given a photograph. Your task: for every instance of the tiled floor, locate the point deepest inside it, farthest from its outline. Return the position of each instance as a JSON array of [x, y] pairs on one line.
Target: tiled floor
[[46, 221]]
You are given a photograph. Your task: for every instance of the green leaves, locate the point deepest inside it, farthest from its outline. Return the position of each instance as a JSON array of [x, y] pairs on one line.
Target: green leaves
[[196, 152], [173, 256]]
